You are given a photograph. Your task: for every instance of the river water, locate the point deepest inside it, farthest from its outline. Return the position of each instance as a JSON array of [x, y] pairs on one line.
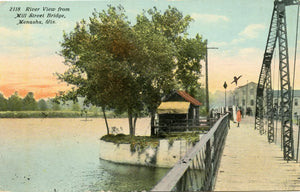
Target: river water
[[39, 155]]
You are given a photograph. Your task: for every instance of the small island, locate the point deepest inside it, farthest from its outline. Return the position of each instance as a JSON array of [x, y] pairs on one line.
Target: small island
[[163, 151], [177, 129]]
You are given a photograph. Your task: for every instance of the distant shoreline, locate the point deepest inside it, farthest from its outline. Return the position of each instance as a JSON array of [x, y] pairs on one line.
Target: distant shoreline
[[56, 114]]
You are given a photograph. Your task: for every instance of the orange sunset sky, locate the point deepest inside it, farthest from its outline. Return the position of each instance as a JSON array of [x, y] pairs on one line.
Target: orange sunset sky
[[29, 59]]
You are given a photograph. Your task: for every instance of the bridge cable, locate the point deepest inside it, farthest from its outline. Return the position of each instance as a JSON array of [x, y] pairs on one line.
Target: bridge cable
[[294, 73], [295, 54], [279, 110], [273, 87]]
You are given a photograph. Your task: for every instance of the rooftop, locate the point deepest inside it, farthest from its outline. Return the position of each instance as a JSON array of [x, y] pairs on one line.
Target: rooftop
[[189, 98]]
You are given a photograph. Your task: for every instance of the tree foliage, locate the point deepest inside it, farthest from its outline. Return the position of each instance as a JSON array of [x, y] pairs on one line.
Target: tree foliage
[[76, 107], [14, 102], [188, 72], [190, 51], [56, 106], [29, 103], [3, 103], [128, 68], [42, 105]]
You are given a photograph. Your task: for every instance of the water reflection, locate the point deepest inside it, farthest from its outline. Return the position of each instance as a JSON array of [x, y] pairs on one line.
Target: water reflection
[[125, 177], [49, 155]]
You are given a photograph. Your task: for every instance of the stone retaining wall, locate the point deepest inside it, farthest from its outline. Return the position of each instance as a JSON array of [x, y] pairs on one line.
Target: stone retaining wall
[[165, 155]]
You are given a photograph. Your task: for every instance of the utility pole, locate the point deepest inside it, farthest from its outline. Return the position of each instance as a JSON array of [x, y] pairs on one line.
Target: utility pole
[[247, 90], [297, 116], [206, 76]]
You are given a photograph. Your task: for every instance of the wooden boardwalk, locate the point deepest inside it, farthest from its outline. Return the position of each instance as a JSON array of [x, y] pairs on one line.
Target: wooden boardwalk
[[250, 163]]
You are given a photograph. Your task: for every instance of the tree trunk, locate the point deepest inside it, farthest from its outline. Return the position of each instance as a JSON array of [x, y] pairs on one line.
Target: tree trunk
[[131, 131], [152, 123], [134, 123], [107, 128]]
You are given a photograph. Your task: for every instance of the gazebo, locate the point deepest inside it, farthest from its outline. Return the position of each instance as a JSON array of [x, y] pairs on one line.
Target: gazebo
[[178, 112]]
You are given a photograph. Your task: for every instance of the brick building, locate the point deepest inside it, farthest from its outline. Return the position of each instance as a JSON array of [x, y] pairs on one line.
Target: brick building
[[245, 97]]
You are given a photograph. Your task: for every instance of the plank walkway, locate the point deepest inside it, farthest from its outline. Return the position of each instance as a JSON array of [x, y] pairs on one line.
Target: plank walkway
[[250, 163]]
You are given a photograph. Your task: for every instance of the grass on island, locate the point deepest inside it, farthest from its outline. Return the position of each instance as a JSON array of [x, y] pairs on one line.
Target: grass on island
[[143, 142]]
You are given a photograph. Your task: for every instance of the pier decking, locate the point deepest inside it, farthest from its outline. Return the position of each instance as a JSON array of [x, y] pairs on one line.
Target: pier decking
[[250, 163]]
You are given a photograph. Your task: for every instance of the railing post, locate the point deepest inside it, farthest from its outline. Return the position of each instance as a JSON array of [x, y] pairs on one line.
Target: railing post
[[206, 154], [228, 121], [208, 166]]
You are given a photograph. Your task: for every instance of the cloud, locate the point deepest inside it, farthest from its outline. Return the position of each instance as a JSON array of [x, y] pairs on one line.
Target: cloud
[[252, 31], [36, 41], [237, 40], [218, 44], [246, 52], [65, 25], [42, 86], [28, 61], [40, 91], [209, 18], [23, 34], [9, 37], [34, 74]]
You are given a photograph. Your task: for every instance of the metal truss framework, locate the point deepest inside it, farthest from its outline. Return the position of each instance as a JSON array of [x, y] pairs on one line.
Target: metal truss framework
[[278, 30]]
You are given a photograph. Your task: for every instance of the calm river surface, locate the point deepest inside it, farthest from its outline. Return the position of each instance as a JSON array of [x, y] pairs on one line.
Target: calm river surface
[[39, 155]]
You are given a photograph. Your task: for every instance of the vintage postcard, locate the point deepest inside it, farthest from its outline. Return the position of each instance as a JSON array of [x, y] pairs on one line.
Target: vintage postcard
[[134, 95]]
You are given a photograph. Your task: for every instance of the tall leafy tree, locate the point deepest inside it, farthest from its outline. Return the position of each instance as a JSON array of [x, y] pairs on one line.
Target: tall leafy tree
[[29, 103], [115, 65], [172, 23], [14, 102], [42, 105], [75, 106], [3, 103], [190, 51], [129, 68], [56, 106]]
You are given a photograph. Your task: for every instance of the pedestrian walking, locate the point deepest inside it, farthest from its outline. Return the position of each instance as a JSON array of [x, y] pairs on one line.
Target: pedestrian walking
[[238, 116]]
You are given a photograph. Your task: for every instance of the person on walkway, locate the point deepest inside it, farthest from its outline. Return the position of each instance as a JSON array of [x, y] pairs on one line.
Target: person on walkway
[[238, 116]]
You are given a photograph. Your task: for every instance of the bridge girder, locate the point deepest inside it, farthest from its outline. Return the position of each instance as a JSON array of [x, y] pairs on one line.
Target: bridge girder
[[277, 31]]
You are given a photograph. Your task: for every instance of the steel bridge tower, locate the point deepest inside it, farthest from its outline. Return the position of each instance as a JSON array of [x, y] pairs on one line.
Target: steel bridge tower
[[277, 31]]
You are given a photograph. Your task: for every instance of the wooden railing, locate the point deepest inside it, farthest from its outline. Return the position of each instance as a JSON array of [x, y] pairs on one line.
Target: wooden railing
[[196, 171], [181, 125]]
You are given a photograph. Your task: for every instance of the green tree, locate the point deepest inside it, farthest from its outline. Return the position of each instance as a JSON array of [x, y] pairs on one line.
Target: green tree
[[75, 106], [14, 102], [29, 103], [42, 105], [3, 103], [56, 106], [115, 65], [172, 23], [94, 110], [190, 51]]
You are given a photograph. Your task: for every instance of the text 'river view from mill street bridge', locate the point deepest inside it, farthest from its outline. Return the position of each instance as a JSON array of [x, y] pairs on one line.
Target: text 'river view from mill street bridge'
[[149, 95]]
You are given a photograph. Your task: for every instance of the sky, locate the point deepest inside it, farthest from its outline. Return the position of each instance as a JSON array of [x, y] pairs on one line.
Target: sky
[[238, 28]]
